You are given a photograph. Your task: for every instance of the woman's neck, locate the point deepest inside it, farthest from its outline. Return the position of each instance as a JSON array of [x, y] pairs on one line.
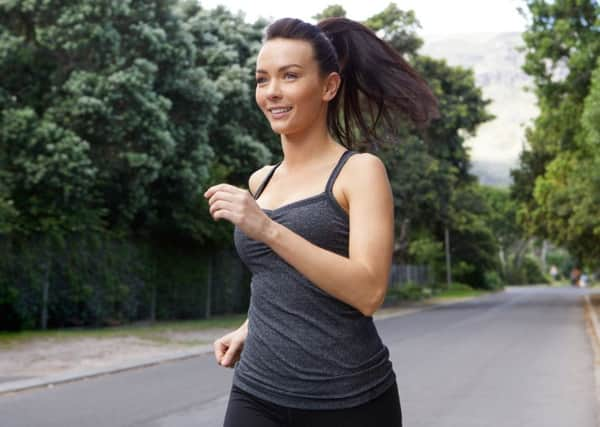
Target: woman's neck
[[307, 148]]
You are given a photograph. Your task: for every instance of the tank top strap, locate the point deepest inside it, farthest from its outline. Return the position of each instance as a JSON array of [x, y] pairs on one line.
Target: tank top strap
[[262, 186], [338, 167]]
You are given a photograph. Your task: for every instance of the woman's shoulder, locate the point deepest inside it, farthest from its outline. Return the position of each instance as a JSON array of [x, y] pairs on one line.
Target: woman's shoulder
[[360, 163], [364, 173]]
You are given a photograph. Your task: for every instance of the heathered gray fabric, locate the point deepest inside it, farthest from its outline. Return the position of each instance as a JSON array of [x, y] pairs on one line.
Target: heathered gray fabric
[[305, 348]]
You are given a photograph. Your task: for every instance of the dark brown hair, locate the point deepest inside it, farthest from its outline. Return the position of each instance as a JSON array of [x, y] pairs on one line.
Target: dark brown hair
[[377, 86]]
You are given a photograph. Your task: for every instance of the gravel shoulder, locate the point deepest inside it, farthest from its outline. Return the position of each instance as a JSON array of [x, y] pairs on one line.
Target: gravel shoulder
[[44, 357]]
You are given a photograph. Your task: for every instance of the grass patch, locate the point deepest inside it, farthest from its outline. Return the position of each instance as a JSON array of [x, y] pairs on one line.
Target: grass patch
[[452, 293], [414, 292], [145, 330], [458, 290]]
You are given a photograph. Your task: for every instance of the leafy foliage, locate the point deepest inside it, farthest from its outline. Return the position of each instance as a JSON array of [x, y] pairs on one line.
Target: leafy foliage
[[556, 182]]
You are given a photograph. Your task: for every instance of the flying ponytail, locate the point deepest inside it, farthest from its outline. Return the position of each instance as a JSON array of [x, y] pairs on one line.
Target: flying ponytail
[[377, 85]]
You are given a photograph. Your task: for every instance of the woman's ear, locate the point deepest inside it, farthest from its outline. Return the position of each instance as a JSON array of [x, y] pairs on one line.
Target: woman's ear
[[332, 84]]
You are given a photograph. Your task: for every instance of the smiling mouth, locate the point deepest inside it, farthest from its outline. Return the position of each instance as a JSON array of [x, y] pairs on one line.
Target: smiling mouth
[[280, 110]]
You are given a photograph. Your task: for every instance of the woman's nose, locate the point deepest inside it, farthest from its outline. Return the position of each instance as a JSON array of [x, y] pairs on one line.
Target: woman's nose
[[273, 90]]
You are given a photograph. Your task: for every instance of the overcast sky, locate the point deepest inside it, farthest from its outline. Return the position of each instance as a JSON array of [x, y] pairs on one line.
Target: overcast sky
[[436, 16]]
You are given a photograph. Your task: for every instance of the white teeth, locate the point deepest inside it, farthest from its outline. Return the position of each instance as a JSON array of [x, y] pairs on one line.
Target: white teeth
[[280, 110]]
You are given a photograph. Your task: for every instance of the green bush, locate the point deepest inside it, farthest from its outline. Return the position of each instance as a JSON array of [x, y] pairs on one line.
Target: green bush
[[492, 280], [459, 287], [528, 273], [533, 271], [407, 292]]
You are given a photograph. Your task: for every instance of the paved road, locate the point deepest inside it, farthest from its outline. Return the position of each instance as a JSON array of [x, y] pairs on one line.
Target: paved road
[[515, 359]]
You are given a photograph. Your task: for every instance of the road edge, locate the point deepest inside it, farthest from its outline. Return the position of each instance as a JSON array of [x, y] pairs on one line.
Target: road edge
[[593, 329], [71, 376]]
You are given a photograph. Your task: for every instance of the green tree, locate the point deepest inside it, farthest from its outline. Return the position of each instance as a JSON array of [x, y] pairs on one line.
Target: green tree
[[427, 169], [502, 219], [561, 47], [568, 193], [331, 11], [397, 27], [120, 81], [475, 250], [418, 183], [462, 107], [48, 174]]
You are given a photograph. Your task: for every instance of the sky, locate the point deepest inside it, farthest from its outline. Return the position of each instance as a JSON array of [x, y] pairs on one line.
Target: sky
[[435, 16]]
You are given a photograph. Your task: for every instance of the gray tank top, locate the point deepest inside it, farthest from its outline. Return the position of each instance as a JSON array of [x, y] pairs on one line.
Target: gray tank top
[[305, 348]]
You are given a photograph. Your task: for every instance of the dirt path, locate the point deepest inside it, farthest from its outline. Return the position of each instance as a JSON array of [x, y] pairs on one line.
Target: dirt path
[[42, 357]]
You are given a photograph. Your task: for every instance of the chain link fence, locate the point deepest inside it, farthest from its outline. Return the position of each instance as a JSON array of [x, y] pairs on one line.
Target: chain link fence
[[403, 274]]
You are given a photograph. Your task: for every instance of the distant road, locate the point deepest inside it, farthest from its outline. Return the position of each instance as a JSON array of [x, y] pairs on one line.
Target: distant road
[[520, 358]]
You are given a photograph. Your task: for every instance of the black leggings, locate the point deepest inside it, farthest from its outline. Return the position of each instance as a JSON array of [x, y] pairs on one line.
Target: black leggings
[[245, 410]]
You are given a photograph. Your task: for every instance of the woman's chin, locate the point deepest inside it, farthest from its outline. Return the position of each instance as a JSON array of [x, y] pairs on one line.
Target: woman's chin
[[279, 129]]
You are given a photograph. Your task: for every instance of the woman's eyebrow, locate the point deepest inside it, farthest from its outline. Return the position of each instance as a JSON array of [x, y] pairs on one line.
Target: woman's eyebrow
[[285, 67]]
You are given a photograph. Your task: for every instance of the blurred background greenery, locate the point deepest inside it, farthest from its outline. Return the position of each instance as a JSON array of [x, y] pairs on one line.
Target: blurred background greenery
[[115, 116]]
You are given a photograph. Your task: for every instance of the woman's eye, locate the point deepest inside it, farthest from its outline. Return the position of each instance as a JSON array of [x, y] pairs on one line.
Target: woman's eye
[[290, 76], [260, 80]]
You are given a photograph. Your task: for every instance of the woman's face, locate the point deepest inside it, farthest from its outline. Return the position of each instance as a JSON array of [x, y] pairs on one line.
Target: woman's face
[[289, 88]]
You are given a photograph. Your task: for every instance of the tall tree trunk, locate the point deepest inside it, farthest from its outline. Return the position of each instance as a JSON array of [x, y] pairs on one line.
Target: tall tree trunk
[[402, 242], [502, 256], [543, 255], [521, 247]]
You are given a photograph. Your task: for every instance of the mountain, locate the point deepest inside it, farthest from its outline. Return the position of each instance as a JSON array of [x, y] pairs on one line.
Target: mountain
[[497, 68]]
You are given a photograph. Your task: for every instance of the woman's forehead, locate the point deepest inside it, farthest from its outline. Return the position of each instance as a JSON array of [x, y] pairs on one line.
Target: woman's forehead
[[280, 52]]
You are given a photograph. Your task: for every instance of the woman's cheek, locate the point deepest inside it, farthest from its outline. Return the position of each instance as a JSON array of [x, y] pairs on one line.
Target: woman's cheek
[[259, 99]]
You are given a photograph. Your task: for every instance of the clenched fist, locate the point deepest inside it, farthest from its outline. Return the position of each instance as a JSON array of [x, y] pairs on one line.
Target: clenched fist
[[239, 207], [228, 348]]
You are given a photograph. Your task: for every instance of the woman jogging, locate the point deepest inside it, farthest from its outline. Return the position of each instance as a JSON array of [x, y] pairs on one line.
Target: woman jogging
[[316, 231]]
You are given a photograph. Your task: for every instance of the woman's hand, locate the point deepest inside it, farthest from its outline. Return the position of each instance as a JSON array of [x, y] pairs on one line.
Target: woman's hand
[[229, 347], [239, 207]]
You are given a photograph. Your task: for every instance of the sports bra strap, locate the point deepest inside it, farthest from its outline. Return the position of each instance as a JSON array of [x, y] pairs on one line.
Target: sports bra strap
[[330, 180], [337, 169], [262, 186]]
